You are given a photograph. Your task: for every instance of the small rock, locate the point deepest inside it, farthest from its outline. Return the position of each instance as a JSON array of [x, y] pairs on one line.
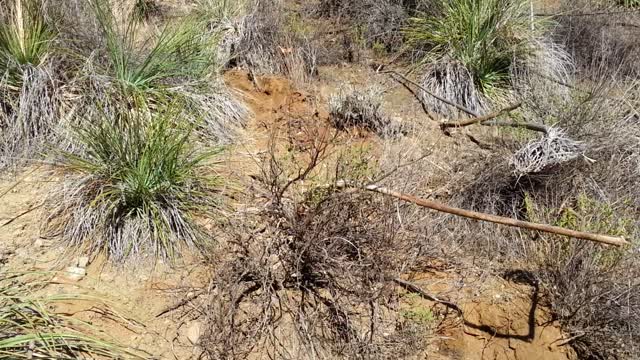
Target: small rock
[[193, 332], [38, 243], [75, 273], [83, 262]]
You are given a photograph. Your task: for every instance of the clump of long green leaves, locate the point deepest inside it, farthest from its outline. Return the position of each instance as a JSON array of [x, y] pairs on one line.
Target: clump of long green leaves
[[178, 64], [141, 185], [486, 36], [25, 39], [30, 329], [181, 50], [29, 96], [629, 3]]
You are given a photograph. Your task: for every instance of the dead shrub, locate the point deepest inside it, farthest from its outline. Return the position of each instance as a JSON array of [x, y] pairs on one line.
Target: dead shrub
[[316, 281], [367, 23], [265, 37]]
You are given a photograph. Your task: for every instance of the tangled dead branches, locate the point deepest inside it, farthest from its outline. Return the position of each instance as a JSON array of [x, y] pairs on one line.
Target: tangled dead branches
[[316, 283], [553, 148]]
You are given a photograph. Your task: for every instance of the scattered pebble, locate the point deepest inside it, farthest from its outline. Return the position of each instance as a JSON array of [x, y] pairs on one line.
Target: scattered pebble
[[193, 332], [75, 273], [83, 262]]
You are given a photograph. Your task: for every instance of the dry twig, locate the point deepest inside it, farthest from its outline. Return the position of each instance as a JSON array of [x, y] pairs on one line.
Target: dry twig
[[606, 239]]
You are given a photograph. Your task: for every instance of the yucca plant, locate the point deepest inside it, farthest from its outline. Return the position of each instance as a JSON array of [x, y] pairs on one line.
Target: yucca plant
[[139, 188], [25, 39], [486, 36], [29, 96], [178, 64], [31, 329], [180, 51]]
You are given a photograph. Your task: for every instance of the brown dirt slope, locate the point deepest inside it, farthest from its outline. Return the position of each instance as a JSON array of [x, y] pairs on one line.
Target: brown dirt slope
[[503, 318]]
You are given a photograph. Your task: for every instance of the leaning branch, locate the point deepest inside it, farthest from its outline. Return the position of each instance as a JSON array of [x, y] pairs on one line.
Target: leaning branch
[[411, 287], [529, 126], [611, 240], [446, 101], [478, 119]]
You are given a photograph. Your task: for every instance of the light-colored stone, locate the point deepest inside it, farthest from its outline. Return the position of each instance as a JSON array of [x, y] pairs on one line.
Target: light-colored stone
[[75, 273], [83, 262], [194, 331]]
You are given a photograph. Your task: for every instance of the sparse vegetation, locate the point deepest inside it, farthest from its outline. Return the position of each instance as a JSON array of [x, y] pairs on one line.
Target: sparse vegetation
[[358, 108], [139, 187], [129, 97], [30, 328]]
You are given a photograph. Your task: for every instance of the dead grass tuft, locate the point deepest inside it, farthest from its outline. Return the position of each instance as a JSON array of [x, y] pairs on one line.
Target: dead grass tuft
[[359, 108]]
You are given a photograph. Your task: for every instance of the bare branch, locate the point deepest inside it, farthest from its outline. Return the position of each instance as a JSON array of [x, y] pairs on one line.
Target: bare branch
[[611, 240], [478, 119]]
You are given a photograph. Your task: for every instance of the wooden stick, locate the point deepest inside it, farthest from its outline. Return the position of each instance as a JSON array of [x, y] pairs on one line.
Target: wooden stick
[[529, 126], [606, 239], [411, 287], [478, 119]]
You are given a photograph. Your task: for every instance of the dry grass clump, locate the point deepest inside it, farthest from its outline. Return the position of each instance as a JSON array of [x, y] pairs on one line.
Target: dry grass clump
[[29, 86], [266, 36], [139, 187], [369, 24], [31, 329], [273, 41], [358, 108], [602, 41]]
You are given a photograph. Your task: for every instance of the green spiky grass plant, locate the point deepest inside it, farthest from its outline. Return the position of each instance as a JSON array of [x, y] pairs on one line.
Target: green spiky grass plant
[[630, 3], [486, 36], [179, 51], [25, 39], [219, 11], [141, 185], [180, 64], [29, 97], [31, 329]]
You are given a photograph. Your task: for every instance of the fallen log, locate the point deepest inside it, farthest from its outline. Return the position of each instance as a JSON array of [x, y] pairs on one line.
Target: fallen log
[[606, 239]]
